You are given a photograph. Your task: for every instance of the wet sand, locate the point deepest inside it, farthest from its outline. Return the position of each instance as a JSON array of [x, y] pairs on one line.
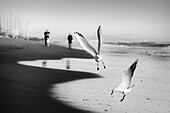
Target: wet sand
[[25, 89], [72, 84]]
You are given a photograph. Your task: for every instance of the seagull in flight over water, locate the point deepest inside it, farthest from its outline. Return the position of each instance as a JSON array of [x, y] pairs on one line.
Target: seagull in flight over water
[[87, 47], [124, 86]]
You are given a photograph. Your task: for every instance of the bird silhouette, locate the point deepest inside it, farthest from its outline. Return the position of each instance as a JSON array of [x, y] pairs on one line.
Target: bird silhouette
[[87, 47], [124, 86]]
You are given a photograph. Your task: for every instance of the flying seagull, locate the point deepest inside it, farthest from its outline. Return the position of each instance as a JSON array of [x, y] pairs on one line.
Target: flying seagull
[[125, 87], [87, 47]]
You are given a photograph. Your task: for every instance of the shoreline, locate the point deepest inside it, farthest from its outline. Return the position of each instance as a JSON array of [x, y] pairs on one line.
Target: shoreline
[[25, 88], [81, 88]]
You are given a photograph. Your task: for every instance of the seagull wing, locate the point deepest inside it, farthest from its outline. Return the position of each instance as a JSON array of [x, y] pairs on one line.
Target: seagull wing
[[86, 46], [99, 35], [127, 75]]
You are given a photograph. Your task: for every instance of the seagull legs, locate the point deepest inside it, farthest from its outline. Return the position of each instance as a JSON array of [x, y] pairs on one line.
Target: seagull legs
[[97, 66], [112, 92], [103, 64], [119, 92], [123, 98]]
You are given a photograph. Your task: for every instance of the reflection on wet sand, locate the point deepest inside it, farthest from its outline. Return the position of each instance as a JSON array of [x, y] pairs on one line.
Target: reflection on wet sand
[[44, 63], [68, 64], [64, 64]]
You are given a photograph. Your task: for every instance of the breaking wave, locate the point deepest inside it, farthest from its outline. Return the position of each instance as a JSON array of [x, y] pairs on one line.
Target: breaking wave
[[142, 48], [142, 44]]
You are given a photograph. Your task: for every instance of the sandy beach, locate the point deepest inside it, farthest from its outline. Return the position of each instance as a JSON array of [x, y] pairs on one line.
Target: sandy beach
[[66, 81], [25, 89]]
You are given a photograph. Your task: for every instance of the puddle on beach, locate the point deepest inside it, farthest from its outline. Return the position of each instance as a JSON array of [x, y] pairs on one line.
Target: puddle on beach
[[73, 93], [84, 94], [93, 95], [72, 64]]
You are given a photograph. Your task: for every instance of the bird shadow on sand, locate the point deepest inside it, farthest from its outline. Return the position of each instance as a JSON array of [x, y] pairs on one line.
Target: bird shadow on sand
[[26, 88]]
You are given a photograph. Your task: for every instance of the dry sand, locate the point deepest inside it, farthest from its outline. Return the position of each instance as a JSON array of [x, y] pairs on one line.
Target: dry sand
[[72, 84], [150, 94]]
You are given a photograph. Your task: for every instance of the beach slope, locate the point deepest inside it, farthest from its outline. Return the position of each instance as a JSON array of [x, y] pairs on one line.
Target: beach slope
[[25, 89]]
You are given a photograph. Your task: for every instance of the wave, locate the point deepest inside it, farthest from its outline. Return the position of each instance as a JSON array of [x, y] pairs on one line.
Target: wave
[[141, 44], [161, 49]]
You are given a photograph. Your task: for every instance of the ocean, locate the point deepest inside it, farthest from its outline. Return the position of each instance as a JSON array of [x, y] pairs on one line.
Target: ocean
[[159, 49]]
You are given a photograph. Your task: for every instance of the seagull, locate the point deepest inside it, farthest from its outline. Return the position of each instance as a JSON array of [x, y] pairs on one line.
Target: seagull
[[87, 47], [124, 86]]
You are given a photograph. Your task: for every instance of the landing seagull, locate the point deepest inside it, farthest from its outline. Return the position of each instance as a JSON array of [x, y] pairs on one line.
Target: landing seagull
[[87, 47], [125, 87]]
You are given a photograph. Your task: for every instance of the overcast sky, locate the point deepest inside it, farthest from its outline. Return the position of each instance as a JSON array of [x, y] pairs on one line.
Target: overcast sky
[[139, 19]]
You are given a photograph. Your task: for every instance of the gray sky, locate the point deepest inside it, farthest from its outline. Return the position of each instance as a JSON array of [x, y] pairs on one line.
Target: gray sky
[[139, 19]]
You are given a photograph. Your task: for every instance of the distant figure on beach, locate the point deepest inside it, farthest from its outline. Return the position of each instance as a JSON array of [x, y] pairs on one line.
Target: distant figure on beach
[[69, 38], [46, 38]]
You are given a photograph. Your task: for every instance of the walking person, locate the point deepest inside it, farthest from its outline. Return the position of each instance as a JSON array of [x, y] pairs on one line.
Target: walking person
[[69, 38], [46, 38]]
